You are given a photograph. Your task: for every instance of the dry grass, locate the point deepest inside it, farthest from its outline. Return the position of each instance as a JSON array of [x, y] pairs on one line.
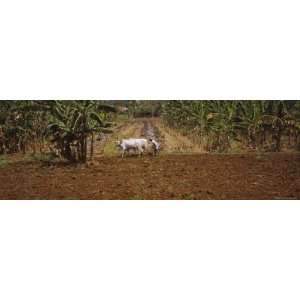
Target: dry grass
[[126, 130], [174, 141]]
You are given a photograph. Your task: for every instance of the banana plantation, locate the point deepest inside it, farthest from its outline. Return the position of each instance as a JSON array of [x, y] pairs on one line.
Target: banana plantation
[[63, 127], [57, 149], [262, 125], [66, 127]]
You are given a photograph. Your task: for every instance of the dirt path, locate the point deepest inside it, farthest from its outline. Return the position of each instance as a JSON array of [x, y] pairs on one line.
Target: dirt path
[[149, 131], [172, 140], [107, 145]]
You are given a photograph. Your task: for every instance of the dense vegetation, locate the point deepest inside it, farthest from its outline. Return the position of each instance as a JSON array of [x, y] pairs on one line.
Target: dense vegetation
[[138, 108], [254, 124], [68, 127], [63, 126]]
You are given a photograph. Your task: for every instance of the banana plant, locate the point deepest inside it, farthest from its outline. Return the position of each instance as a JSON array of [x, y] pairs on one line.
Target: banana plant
[[279, 119], [21, 125], [251, 121], [74, 122], [221, 122]]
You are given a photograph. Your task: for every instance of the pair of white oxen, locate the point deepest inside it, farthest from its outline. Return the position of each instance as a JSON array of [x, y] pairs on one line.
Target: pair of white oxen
[[138, 145]]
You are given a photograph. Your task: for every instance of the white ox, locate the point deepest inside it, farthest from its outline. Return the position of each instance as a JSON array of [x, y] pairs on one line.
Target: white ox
[[155, 146], [139, 145]]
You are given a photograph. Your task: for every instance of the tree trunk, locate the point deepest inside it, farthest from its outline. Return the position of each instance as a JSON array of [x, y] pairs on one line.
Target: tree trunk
[[278, 140], [78, 151], [82, 149], [68, 152], [85, 135], [251, 140], [263, 137], [24, 147], [280, 127], [92, 146], [85, 148]]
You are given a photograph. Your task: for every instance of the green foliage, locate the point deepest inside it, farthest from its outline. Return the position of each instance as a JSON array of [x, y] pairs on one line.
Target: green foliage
[[73, 122], [220, 123], [67, 124], [141, 108], [21, 125]]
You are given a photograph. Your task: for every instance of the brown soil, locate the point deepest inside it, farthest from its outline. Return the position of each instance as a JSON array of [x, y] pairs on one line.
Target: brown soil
[[196, 176]]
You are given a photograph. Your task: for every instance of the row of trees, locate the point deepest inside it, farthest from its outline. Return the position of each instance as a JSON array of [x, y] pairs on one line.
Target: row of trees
[[138, 108], [255, 124], [65, 126]]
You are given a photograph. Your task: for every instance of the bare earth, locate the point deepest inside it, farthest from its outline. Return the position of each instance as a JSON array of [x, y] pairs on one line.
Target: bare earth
[[194, 176], [172, 175]]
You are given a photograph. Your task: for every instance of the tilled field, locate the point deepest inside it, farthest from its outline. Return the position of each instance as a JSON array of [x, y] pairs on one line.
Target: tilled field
[[194, 176]]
